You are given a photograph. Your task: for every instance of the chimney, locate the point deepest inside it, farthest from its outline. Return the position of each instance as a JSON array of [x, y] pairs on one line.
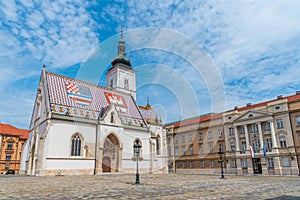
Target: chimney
[[248, 104], [298, 92], [279, 97], [235, 107]]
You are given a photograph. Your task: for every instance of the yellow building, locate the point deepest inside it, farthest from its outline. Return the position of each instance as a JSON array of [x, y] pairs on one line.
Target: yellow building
[[11, 143], [262, 138]]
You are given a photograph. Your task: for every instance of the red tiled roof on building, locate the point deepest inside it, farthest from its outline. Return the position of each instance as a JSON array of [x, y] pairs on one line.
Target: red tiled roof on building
[[207, 117], [11, 130], [194, 120]]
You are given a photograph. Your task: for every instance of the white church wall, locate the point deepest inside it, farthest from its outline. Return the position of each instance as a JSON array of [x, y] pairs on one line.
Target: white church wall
[[57, 164], [60, 135]]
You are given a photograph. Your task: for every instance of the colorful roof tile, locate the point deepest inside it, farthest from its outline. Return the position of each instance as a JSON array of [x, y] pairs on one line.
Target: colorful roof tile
[[82, 99]]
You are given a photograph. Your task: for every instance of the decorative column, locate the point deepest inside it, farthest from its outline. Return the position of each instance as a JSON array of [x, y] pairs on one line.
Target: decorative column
[[247, 137], [237, 139], [261, 140], [274, 141]]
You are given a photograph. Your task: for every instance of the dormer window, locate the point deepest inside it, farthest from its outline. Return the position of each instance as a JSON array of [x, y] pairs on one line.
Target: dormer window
[[112, 118], [250, 115]]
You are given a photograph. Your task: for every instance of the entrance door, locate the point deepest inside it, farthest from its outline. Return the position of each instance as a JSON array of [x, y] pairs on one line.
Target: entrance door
[[106, 167], [256, 166]]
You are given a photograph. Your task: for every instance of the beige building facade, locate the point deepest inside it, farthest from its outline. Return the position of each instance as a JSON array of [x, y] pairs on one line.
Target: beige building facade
[[263, 138]]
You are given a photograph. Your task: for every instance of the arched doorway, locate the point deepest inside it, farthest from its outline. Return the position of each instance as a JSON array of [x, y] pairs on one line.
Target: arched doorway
[[106, 164], [110, 157]]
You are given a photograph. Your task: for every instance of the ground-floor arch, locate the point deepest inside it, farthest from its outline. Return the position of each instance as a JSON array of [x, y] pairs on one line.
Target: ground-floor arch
[[111, 154]]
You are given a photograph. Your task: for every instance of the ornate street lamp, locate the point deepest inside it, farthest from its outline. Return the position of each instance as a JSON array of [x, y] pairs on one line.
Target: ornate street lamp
[[221, 161], [136, 148]]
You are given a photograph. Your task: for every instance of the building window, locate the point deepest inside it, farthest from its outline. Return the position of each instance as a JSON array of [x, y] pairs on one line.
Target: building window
[[298, 121], [169, 140], [184, 164], [269, 145], [209, 135], [202, 164], [183, 150], [244, 163], [177, 164], [169, 152], [231, 131], [176, 139], [242, 130], [200, 136], [176, 152], [126, 84], [282, 141], [211, 147], [111, 83], [233, 163], [279, 123], [254, 128], [220, 133], [201, 150], [270, 163], [183, 139], [192, 164], [285, 162], [232, 146], [256, 146], [267, 126], [8, 156], [191, 150], [221, 147], [9, 145], [244, 147], [76, 145], [190, 138], [6, 167], [212, 164]]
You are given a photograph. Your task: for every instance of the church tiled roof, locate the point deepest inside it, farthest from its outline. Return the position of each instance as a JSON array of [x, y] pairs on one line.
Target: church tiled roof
[[71, 97]]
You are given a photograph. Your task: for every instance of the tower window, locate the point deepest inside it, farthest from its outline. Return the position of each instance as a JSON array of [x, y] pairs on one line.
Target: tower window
[[111, 83], [126, 84]]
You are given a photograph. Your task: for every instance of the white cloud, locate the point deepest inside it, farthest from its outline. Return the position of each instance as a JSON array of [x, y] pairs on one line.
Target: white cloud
[[252, 42]]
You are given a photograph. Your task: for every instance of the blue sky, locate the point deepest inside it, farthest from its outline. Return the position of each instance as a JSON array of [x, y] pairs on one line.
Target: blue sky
[[253, 45]]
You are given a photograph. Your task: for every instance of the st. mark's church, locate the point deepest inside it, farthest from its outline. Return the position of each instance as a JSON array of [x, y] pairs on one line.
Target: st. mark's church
[[83, 128]]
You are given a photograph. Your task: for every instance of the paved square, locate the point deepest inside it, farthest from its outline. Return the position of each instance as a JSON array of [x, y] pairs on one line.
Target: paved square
[[164, 186]]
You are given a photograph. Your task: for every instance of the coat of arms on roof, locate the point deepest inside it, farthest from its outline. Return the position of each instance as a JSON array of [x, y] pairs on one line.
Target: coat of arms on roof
[[117, 100], [78, 93]]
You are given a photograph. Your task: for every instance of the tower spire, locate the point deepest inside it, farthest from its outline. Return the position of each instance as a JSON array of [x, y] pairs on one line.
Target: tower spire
[[148, 105], [121, 46], [121, 33]]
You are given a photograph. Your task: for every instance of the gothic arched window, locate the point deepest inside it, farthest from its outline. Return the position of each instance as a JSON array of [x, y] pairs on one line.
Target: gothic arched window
[[76, 145]]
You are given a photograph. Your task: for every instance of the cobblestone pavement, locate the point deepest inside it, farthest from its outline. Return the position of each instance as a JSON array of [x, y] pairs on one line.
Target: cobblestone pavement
[[163, 186]]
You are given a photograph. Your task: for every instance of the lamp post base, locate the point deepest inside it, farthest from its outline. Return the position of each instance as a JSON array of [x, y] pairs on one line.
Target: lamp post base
[[137, 179]]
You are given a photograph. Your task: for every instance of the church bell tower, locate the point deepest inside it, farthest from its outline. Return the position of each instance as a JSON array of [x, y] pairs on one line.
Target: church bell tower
[[121, 75]]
